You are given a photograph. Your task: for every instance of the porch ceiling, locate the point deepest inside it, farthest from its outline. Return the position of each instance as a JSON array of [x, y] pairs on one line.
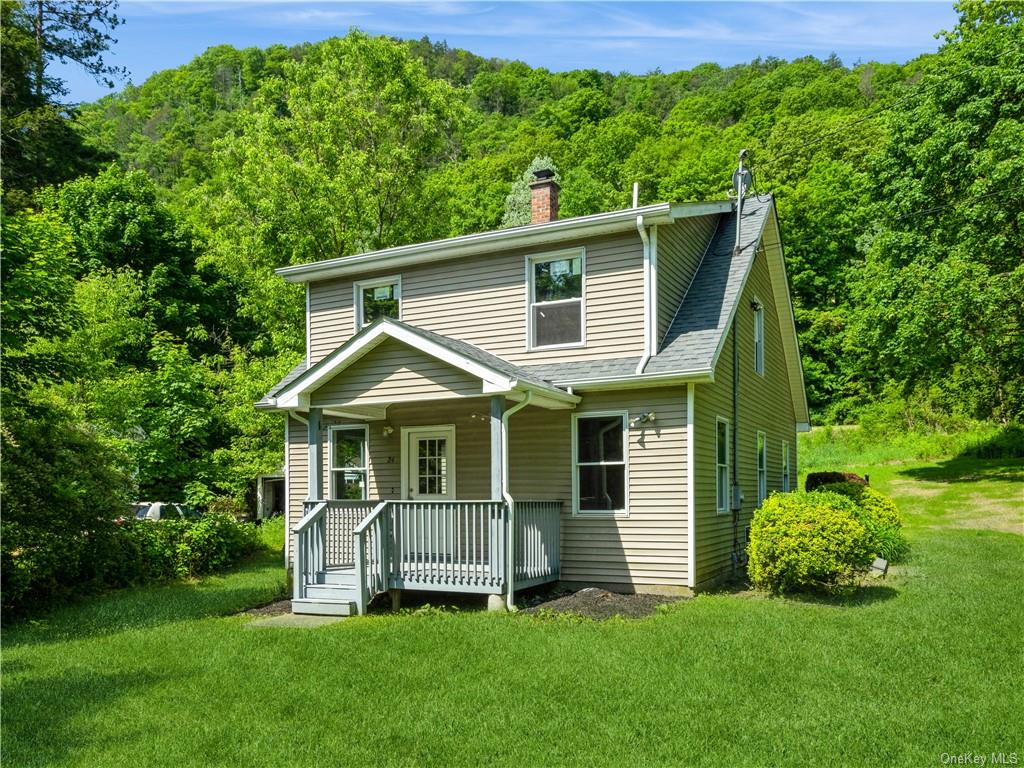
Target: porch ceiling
[[390, 361]]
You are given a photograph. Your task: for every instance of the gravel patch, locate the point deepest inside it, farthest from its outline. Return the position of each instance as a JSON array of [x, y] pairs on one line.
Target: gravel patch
[[594, 603]]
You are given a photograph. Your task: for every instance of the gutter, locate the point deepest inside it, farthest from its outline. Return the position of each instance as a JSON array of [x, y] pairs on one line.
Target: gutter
[[704, 376], [510, 560], [469, 245]]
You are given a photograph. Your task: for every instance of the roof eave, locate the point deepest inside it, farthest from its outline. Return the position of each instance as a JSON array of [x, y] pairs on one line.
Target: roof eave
[[469, 245]]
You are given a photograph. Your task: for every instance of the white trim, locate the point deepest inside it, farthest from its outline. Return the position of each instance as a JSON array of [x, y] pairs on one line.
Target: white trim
[[632, 381], [691, 503], [406, 433], [296, 395], [761, 438], [719, 509], [357, 297], [565, 253], [531, 235], [331, 431], [688, 210], [614, 513]]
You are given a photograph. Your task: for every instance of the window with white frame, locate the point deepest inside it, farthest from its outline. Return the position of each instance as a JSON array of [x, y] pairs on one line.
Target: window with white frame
[[556, 299], [759, 338], [349, 463], [785, 467], [762, 467], [377, 298], [722, 464], [600, 444]]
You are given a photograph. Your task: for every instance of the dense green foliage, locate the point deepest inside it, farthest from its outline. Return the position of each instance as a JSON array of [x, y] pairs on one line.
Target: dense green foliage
[[115, 553], [879, 515], [892, 670], [808, 541], [142, 317]]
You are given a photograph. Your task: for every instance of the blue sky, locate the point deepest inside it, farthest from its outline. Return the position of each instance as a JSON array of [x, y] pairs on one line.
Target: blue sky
[[621, 36]]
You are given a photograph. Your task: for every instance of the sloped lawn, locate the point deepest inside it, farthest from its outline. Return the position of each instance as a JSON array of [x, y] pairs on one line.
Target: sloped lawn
[[925, 663]]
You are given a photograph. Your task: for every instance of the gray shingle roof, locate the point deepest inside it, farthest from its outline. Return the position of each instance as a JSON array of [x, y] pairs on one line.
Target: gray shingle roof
[[289, 377], [690, 343], [696, 331]]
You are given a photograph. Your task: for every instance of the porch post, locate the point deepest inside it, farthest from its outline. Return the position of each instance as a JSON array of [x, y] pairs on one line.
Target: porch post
[[497, 446], [316, 456]]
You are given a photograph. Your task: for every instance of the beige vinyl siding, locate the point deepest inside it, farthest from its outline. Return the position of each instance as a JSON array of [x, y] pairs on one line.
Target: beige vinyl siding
[[483, 300], [393, 372], [765, 404], [298, 473], [648, 548], [681, 246]]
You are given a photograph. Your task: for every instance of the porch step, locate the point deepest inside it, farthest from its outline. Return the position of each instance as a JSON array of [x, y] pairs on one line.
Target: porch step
[[324, 607], [329, 592], [342, 578]]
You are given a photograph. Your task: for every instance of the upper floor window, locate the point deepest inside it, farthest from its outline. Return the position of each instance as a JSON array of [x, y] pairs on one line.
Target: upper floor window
[[600, 444], [555, 318], [722, 464], [348, 462], [378, 298], [759, 337]]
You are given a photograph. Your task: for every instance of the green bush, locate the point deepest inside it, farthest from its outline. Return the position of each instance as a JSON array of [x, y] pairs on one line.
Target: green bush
[[808, 541], [880, 516], [121, 554]]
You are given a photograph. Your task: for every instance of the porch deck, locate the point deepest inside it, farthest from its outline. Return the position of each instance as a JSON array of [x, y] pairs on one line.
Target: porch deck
[[348, 551]]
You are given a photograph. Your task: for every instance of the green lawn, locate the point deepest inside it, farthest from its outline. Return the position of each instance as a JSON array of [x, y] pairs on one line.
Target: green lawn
[[928, 661]]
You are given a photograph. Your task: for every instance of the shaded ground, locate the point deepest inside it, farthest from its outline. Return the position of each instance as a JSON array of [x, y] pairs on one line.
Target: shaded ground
[[276, 608], [594, 603]]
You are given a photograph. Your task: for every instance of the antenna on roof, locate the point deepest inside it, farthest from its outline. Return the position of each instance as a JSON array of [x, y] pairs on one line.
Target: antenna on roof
[[636, 194], [741, 181]]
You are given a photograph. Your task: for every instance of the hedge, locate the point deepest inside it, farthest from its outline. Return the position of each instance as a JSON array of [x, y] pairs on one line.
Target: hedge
[[37, 571], [880, 516], [808, 541]]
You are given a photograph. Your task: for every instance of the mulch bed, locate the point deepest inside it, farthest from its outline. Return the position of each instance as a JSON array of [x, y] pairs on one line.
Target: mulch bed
[[271, 609], [594, 603]]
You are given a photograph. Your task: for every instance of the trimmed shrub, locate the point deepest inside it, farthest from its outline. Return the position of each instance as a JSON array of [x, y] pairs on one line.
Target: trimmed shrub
[[880, 516], [817, 479], [808, 541]]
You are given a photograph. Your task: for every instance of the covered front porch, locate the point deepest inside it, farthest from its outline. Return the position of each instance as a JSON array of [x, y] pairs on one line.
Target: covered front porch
[[407, 473]]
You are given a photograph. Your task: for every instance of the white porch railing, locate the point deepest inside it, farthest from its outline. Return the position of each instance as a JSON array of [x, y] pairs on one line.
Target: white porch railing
[[451, 546]]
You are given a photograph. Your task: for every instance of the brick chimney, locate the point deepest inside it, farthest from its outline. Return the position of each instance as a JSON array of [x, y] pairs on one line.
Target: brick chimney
[[543, 197]]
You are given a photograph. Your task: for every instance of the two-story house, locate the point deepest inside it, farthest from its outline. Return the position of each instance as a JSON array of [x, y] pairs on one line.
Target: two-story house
[[601, 400]]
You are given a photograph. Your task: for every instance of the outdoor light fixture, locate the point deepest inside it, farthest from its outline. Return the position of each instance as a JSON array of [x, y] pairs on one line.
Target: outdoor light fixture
[[388, 431], [756, 305], [644, 418]]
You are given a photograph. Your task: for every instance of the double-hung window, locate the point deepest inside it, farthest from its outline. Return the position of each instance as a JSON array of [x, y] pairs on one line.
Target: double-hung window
[[762, 467], [348, 451], [785, 467], [377, 298], [759, 339], [600, 445], [722, 464], [555, 317]]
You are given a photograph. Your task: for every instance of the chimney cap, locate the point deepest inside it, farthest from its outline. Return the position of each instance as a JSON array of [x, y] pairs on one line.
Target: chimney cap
[[543, 174]]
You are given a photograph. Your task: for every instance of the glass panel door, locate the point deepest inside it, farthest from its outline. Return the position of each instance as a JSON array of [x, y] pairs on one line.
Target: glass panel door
[[430, 463]]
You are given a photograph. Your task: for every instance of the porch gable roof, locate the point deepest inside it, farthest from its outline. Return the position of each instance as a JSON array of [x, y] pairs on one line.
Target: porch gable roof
[[497, 376]]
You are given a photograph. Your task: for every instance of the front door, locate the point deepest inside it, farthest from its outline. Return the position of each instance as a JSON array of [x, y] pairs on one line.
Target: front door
[[428, 457]]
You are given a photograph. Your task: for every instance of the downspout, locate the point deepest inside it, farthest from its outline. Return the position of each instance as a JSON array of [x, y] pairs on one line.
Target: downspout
[[510, 560], [735, 503], [648, 331]]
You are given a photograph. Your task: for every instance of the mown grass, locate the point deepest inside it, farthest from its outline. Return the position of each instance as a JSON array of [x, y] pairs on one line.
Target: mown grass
[[924, 663]]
